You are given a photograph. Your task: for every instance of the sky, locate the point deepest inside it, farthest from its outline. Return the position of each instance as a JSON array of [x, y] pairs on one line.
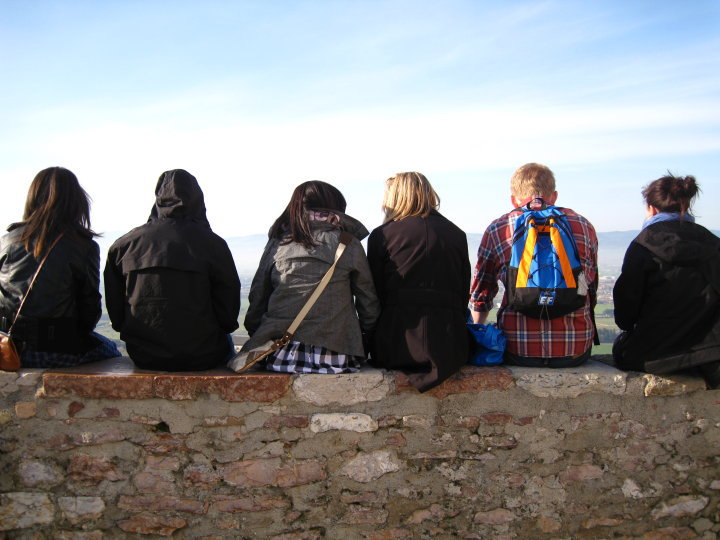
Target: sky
[[254, 97]]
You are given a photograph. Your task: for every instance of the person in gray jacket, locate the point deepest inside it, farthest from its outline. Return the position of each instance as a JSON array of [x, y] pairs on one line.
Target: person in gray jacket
[[301, 247]]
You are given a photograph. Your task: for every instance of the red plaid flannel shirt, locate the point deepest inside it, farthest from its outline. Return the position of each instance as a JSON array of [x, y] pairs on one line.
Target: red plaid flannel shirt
[[570, 335]]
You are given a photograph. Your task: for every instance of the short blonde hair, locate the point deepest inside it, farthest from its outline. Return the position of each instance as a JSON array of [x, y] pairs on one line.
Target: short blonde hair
[[532, 179], [409, 194]]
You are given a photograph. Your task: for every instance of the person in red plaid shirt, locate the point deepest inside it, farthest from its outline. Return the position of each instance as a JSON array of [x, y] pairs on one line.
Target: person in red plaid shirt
[[561, 342]]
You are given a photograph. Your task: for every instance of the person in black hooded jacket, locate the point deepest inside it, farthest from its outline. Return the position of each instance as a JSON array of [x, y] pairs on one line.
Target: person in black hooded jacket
[[171, 287], [667, 298]]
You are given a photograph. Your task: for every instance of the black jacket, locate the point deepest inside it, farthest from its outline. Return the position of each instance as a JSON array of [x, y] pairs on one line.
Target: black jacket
[[667, 298], [171, 287], [421, 271], [64, 304]]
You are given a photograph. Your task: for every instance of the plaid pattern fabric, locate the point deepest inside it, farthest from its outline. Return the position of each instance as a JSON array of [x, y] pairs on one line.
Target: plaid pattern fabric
[[105, 348], [296, 357], [570, 335]]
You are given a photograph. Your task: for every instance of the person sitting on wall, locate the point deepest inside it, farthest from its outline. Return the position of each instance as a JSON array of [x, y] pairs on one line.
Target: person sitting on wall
[[562, 341], [55, 325], [419, 261], [301, 247], [171, 287], [667, 298]]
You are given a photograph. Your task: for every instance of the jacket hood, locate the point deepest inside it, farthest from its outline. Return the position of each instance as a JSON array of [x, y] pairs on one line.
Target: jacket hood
[[178, 196], [347, 223], [680, 243], [352, 225]]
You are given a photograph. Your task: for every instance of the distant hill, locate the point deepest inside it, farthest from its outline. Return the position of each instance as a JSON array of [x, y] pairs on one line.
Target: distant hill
[[247, 250]]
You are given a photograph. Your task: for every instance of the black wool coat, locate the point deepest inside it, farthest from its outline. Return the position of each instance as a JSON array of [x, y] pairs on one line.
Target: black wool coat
[[421, 271], [667, 299], [171, 287]]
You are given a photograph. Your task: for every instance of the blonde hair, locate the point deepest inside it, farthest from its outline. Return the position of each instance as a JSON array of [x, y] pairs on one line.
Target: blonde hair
[[409, 194], [532, 179]]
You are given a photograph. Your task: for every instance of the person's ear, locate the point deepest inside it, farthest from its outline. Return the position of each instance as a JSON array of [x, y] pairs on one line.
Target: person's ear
[[515, 203], [651, 211], [552, 198]]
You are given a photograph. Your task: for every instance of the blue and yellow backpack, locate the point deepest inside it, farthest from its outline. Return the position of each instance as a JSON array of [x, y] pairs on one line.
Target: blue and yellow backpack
[[545, 277]]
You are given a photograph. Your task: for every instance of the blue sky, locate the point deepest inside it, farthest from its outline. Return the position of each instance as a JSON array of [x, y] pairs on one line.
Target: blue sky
[[255, 97]]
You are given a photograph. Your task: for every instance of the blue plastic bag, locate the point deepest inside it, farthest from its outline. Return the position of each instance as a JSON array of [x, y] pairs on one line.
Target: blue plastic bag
[[487, 345]]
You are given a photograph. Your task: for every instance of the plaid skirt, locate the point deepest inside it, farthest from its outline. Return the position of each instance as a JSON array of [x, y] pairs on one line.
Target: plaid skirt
[[104, 348], [296, 357]]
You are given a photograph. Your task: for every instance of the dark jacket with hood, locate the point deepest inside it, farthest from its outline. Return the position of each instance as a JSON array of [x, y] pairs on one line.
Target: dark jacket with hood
[[171, 287], [667, 299], [421, 271], [64, 305]]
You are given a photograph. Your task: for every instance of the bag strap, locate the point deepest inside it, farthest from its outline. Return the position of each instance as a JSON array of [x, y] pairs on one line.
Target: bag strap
[[32, 281], [345, 239]]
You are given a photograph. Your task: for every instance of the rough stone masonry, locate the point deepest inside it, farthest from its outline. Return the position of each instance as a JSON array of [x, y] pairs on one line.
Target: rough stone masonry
[[590, 452]]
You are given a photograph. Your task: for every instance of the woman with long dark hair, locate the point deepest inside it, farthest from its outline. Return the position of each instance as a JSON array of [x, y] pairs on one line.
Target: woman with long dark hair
[[301, 247], [420, 265], [55, 326], [667, 298]]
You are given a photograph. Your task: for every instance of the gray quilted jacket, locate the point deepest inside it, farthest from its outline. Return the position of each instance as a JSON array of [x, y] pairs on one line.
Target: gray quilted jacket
[[289, 273]]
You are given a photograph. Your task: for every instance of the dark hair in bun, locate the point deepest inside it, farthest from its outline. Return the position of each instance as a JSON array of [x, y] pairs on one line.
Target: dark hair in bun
[[671, 193]]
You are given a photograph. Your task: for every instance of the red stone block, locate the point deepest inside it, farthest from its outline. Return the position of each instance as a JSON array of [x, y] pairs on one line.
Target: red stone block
[[250, 473], [201, 475], [469, 422], [496, 418], [258, 387], [107, 386], [269, 472], [152, 483], [162, 463], [90, 470], [164, 443], [396, 439], [220, 421], [499, 516], [60, 442], [669, 533], [578, 473], [299, 473], [288, 420], [469, 379], [150, 524], [162, 504], [109, 412], [93, 439], [121, 380], [74, 408], [389, 420], [257, 503]]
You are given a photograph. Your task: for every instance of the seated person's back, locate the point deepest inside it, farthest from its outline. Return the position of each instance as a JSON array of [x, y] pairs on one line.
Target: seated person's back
[[554, 342], [172, 290], [667, 298]]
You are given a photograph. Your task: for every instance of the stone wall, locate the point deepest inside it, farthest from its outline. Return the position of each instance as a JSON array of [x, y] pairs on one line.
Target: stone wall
[[591, 452]]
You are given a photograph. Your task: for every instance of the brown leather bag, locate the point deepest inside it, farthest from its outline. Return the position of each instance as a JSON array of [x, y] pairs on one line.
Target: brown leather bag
[[9, 357]]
